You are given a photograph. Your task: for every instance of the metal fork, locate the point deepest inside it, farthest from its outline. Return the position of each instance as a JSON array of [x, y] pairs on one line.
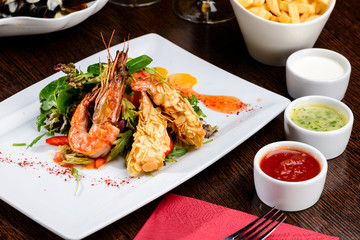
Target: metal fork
[[252, 231]]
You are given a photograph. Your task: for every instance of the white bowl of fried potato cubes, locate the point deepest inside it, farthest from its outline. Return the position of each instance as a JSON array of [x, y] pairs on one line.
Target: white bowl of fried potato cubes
[[274, 29]]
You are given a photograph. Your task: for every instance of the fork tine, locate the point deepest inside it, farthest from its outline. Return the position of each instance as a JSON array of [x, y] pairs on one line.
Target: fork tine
[[266, 227], [265, 235], [255, 228], [245, 233], [242, 230]]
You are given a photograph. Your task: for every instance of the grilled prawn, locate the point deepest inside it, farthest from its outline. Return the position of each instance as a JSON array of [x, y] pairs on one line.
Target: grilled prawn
[[151, 139], [106, 98], [181, 116]]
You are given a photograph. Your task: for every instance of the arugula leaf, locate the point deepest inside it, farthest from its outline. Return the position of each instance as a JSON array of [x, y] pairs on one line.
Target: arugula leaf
[[194, 101], [176, 152], [138, 63], [50, 133], [75, 173], [120, 144], [129, 114], [40, 121]]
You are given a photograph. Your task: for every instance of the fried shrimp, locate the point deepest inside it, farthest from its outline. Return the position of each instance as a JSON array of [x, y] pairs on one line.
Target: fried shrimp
[[181, 116], [151, 139], [106, 99]]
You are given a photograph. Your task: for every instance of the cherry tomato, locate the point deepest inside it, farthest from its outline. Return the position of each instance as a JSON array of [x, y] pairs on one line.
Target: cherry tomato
[[99, 162], [171, 147], [58, 140]]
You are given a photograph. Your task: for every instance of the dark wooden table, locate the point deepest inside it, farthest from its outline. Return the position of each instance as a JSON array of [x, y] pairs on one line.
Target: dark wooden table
[[229, 182]]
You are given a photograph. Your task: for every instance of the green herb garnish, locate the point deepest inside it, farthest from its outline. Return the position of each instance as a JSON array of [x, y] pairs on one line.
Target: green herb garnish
[[19, 144], [194, 101], [176, 152], [75, 173], [139, 63]]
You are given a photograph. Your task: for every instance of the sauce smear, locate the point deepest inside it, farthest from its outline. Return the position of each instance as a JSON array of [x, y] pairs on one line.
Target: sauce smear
[[225, 104], [290, 165]]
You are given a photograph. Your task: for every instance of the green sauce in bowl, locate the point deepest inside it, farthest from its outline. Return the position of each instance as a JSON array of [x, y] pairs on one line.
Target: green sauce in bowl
[[318, 117]]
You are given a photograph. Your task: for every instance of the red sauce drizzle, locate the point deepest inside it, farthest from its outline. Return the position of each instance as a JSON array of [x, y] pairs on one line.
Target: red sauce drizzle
[[290, 165], [224, 104]]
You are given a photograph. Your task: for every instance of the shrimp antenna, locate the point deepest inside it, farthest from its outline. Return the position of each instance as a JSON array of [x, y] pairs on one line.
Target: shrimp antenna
[[101, 83], [107, 46]]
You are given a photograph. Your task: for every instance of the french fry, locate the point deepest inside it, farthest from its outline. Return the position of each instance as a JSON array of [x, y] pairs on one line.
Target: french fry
[[258, 2], [302, 1], [286, 11], [294, 13], [273, 6], [312, 17], [274, 18], [323, 4], [302, 8], [304, 16], [284, 17], [284, 6], [246, 3], [261, 12]]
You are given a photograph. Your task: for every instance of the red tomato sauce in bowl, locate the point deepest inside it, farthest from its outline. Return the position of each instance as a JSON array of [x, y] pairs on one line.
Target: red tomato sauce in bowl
[[290, 165]]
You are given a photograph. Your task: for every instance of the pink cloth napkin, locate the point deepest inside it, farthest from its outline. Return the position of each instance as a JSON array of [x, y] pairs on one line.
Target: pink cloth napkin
[[179, 217]]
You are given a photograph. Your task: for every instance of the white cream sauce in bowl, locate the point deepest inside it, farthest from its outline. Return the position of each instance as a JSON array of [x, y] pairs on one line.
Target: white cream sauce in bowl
[[316, 71]]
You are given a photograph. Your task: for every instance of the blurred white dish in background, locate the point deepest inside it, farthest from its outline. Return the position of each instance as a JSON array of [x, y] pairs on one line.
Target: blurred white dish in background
[[284, 195], [18, 26], [271, 42], [317, 71], [330, 143]]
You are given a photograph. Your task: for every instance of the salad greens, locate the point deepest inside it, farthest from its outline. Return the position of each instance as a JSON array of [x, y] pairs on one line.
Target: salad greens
[[60, 97], [176, 152]]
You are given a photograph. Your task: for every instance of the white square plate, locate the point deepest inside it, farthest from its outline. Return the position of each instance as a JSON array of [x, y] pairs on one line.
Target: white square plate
[[33, 184]]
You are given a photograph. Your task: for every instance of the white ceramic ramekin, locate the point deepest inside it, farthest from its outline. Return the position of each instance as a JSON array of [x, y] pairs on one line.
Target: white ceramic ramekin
[[289, 196], [299, 84], [330, 143]]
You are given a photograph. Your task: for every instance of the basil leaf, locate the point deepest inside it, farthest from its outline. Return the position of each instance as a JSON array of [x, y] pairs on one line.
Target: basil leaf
[[136, 64]]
